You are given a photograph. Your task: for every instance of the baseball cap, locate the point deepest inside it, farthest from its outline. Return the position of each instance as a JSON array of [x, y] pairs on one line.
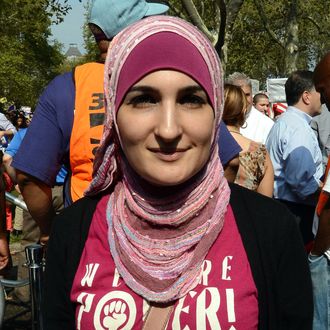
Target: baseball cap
[[112, 16]]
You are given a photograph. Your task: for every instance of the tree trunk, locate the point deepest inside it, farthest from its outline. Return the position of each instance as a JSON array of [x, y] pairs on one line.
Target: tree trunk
[[292, 42], [196, 19], [232, 9]]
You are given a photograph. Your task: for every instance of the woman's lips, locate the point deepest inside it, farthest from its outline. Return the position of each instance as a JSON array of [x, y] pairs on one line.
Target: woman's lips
[[169, 155]]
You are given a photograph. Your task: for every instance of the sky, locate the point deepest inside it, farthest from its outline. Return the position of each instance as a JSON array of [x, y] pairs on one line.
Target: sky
[[70, 30]]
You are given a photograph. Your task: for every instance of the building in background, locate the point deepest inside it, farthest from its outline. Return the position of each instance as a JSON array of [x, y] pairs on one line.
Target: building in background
[[73, 53]]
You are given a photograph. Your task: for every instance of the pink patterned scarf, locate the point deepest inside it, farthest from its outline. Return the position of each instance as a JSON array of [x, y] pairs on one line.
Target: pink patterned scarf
[[159, 237]]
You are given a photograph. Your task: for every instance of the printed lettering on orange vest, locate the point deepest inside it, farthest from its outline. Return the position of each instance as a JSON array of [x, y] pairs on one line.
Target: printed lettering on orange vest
[[87, 125], [96, 120]]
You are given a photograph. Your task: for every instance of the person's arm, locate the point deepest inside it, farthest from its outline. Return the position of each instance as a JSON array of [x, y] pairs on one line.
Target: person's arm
[[229, 151], [231, 169], [299, 166], [293, 284], [7, 133], [7, 159], [4, 246], [8, 129], [57, 310], [266, 186], [38, 198], [322, 238], [66, 243], [11, 151], [46, 143]]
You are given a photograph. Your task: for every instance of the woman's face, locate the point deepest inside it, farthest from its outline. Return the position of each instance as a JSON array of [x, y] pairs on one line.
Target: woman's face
[[166, 125], [19, 122]]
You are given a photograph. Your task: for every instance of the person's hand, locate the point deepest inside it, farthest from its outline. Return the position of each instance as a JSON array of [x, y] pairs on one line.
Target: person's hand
[[17, 188], [4, 251], [2, 133], [44, 240]]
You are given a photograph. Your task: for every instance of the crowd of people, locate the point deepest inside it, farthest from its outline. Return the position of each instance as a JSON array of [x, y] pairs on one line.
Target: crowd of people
[[164, 193]]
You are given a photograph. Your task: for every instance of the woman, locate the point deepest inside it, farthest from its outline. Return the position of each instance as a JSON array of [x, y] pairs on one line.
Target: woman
[[21, 121], [157, 228], [255, 170]]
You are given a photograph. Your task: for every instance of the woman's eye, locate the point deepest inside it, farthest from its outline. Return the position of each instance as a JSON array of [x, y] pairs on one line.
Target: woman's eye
[[193, 100], [142, 100]]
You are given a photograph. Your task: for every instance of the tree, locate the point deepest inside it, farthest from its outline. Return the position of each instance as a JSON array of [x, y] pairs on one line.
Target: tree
[[215, 18], [263, 38], [93, 52], [27, 60], [272, 39]]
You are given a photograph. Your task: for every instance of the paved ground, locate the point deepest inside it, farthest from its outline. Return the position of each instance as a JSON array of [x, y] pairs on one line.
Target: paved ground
[[14, 307]]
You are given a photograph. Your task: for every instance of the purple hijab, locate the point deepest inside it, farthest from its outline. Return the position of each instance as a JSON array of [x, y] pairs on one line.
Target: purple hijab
[[188, 221]]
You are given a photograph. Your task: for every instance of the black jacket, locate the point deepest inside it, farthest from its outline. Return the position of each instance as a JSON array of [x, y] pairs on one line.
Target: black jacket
[[270, 237]]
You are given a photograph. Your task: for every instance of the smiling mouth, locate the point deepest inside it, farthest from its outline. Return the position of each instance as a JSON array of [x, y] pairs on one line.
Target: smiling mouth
[[167, 154]]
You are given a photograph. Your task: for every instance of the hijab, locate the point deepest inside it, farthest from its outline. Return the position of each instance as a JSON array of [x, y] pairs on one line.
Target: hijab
[[159, 240]]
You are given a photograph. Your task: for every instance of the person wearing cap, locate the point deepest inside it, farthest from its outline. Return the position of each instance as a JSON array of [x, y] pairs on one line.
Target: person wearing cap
[[68, 121]]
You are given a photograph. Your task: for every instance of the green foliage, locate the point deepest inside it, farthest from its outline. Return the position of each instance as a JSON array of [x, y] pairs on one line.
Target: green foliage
[[92, 51], [27, 60], [207, 9], [253, 50]]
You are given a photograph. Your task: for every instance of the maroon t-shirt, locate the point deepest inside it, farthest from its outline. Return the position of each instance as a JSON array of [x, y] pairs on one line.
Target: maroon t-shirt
[[225, 298]]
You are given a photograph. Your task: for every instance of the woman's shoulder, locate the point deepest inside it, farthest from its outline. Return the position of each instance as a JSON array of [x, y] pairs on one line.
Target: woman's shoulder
[[74, 215], [250, 146], [257, 147], [243, 141], [263, 212], [254, 154]]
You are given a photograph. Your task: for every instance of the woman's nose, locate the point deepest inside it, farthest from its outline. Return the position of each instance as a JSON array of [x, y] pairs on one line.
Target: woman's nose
[[168, 125]]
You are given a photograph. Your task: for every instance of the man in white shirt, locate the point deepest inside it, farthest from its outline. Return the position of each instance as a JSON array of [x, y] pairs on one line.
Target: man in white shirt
[[261, 103], [257, 125]]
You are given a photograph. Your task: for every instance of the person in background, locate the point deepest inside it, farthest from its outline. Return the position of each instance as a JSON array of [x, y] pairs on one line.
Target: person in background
[[255, 168], [4, 241], [29, 228], [7, 131], [261, 103], [319, 257], [68, 121], [161, 240], [321, 126], [56, 135], [295, 153], [256, 126], [21, 125], [21, 121]]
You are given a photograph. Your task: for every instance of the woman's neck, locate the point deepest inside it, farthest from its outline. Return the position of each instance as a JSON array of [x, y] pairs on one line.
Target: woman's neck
[[233, 129]]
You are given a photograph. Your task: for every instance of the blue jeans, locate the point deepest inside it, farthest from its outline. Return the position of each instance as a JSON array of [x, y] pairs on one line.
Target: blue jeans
[[320, 272]]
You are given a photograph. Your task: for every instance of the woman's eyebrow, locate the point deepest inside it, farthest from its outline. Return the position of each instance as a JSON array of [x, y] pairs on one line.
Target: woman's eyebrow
[[141, 88], [147, 88], [192, 89]]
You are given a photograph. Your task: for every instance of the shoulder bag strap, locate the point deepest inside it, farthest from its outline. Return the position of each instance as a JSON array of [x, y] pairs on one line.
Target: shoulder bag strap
[[158, 317]]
